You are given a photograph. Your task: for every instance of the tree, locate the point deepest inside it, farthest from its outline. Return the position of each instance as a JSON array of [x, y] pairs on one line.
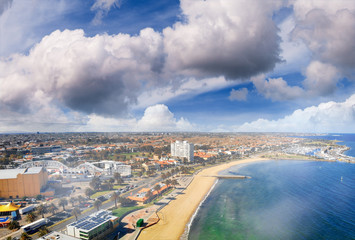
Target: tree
[[89, 192], [114, 197], [174, 182], [76, 212], [81, 199], [118, 178], [97, 204], [13, 225], [126, 202], [52, 208], [43, 231], [31, 217], [149, 194], [95, 183], [163, 176], [157, 188], [39, 197], [72, 201], [63, 202], [41, 210], [25, 236], [167, 182]]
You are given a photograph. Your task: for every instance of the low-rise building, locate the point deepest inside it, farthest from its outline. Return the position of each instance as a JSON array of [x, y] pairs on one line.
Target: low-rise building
[[95, 226]]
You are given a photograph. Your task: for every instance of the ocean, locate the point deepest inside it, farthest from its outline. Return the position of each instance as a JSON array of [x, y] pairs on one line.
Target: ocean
[[283, 200]]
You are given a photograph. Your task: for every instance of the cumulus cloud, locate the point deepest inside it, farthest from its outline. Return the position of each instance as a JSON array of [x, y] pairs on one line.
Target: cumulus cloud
[[328, 29], [238, 95], [236, 39], [156, 118], [321, 78], [102, 74], [159, 118], [276, 89], [102, 7], [336, 117]]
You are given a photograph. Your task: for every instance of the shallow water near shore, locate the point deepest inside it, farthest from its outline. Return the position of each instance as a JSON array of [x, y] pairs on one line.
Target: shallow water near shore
[[282, 200]]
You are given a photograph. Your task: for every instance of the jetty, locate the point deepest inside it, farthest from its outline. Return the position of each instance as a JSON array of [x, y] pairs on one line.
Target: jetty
[[230, 176]]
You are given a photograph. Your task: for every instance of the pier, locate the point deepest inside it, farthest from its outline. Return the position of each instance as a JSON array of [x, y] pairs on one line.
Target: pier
[[231, 176]]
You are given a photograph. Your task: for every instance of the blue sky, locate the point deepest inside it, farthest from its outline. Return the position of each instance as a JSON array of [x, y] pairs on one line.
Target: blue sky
[[190, 65]]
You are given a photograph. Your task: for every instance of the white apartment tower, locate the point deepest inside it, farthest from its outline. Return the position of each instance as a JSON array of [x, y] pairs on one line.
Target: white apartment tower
[[183, 149]]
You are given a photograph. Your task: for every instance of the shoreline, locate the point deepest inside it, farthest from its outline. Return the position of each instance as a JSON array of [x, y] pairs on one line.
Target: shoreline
[[176, 216]]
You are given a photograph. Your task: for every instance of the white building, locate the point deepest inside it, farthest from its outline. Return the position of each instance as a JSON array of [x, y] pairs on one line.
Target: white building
[[94, 227], [183, 149]]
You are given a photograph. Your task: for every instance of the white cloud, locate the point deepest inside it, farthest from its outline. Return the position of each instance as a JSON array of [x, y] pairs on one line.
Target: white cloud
[[182, 89], [335, 117], [236, 39], [102, 7], [276, 89], [102, 74], [321, 79], [238, 95], [155, 118], [159, 118], [328, 29]]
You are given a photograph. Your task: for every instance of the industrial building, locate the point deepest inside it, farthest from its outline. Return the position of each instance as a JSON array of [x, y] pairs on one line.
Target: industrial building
[[18, 183], [183, 149], [95, 226]]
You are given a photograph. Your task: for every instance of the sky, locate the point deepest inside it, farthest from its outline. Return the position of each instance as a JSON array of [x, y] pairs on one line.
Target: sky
[[189, 65]]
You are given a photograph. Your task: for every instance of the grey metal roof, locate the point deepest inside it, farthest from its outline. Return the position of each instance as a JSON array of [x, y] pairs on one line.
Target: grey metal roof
[[10, 173], [33, 170]]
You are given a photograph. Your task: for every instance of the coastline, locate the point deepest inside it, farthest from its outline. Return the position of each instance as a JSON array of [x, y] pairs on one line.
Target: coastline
[[178, 213]]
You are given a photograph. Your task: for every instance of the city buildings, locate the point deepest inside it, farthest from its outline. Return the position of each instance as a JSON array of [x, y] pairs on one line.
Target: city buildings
[[183, 149]]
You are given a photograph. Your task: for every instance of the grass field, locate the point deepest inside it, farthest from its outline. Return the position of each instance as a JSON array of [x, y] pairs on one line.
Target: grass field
[[98, 194], [119, 212]]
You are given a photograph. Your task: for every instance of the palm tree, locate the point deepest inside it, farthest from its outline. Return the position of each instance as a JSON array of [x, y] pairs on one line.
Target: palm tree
[[115, 197], [63, 202], [13, 225], [73, 200], [167, 182], [97, 204], [157, 188], [76, 212], [43, 231], [149, 194], [118, 178], [41, 210], [80, 199], [89, 192], [25, 236], [174, 182], [31, 217], [52, 208]]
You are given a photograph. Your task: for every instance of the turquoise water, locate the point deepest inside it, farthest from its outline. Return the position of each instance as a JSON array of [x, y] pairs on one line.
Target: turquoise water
[[283, 200]]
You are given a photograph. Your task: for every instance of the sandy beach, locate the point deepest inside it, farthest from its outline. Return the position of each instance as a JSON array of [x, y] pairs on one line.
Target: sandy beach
[[176, 215]]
